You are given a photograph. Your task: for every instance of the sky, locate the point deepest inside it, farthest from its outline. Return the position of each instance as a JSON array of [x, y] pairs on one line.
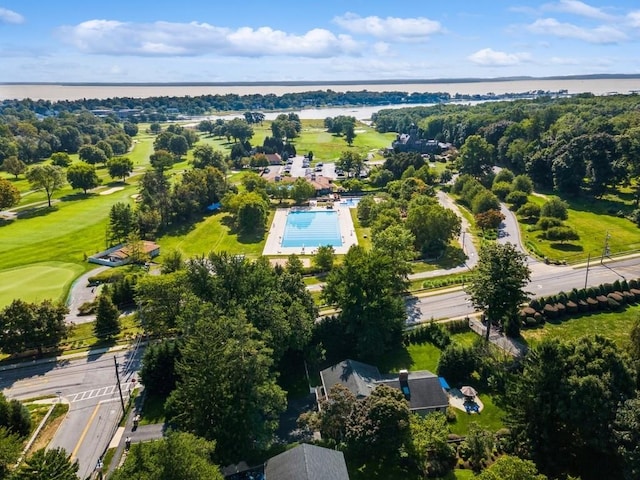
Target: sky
[[329, 40]]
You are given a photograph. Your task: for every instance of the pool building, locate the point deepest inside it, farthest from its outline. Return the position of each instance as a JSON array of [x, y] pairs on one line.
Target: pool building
[[303, 230]]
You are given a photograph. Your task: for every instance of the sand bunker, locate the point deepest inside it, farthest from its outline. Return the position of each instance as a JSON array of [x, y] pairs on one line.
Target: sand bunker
[[111, 190]]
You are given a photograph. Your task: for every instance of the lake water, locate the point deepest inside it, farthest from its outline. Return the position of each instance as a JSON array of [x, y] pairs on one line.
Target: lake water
[[76, 92]]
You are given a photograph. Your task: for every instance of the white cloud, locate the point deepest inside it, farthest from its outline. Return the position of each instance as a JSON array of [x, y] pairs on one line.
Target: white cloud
[[9, 16], [577, 7], [490, 57], [390, 28], [564, 61], [634, 18], [603, 34], [112, 37], [381, 49]]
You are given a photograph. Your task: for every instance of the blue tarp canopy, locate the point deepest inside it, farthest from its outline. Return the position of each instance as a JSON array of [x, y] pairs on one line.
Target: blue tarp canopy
[[214, 206], [443, 383]]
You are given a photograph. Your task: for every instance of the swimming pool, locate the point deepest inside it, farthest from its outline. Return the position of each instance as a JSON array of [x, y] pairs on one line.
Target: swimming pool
[[351, 202], [311, 229]]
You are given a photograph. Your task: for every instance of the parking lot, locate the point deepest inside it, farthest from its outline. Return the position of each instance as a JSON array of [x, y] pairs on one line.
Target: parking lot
[[298, 167]]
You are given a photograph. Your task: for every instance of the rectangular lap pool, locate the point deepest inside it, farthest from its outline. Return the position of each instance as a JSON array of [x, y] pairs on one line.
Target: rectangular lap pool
[[312, 229]]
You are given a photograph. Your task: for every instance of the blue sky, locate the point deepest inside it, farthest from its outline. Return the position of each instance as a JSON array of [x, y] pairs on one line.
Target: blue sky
[[245, 40]]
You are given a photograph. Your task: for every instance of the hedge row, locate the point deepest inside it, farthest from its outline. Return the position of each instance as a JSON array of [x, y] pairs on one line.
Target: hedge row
[[607, 296]]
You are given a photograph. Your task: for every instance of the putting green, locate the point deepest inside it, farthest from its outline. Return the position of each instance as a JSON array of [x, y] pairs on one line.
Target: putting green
[[37, 281]]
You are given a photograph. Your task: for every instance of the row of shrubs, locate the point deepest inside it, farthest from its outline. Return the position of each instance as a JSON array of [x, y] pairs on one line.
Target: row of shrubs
[[438, 334], [607, 296]]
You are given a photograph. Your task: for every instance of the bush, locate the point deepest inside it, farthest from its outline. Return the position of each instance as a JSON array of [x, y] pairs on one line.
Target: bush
[[555, 208], [433, 333], [535, 304], [522, 183], [612, 304], [550, 311], [545, 223], [87, 308], [633, 283], [517, 200], [529, 210], [457, 363], [484, 201], [501, 189], [530, 322]]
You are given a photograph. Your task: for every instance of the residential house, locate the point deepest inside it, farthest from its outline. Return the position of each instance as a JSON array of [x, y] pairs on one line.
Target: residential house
[[422, 389]]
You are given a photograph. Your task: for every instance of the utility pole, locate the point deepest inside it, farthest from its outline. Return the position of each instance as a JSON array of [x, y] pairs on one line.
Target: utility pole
[[115, 362], [586, 275], [605, 251]]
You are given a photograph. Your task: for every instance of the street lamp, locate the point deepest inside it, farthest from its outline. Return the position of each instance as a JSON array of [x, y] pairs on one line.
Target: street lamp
[[59, 393]]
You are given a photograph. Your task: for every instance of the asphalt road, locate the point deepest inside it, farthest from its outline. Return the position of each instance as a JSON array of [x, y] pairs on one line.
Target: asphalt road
[[545, 280], [89, 386]]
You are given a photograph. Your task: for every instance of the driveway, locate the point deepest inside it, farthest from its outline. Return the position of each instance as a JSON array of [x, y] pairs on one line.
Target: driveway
[[80, 293]]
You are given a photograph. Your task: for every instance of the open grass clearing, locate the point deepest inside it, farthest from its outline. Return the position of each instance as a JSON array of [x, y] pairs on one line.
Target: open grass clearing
[[613, 325], [38, 281], [213, 233], [592, 221]]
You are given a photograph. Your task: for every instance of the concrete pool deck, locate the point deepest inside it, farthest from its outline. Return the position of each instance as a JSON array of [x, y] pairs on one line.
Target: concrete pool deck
[[273, 245]]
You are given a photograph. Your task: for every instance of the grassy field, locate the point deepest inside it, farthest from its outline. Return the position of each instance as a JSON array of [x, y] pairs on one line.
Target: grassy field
[[592, 221], [613, 325], [37, 281], [213, 234]]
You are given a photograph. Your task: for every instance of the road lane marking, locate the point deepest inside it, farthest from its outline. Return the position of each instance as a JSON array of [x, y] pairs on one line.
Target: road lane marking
[[84, 432]]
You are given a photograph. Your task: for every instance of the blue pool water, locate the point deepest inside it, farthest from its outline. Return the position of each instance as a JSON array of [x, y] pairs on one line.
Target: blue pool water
[[351, 202], [312, 229]]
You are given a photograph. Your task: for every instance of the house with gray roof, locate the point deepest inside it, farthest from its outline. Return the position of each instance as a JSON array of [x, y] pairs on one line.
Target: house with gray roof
[[422, 389], [307, 462]]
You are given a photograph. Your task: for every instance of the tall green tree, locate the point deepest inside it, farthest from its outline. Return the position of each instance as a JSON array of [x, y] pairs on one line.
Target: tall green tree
[[378, 427], [365, 288], [120, 167], [46, 177], [32, 326], [324, 257], [397, 242], [432, 225], [14, 166], [302, 190], [497, 285], [9, 194], [158, 372], [476, 157], [121, 223], [47, 465], [560, 408], [161, 160], [430, 449], [626, 431], [83, 176], [479, 444], [107, 323], [227, 390]]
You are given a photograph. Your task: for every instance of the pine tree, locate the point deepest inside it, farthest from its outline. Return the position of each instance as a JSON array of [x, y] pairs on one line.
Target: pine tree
[[107, 323]]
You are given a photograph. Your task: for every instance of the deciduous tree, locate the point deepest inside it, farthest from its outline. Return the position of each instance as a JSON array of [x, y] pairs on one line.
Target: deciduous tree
[[508, 467], [497, 285], [46, 177], [120, 167], [430, 449], [83, 176], [9, 194], [365, 288], [14, 166], [324, 257]]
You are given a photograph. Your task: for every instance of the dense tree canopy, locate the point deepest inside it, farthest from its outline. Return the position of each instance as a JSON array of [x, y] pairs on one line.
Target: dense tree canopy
[[178, 456], [365, 288], [9, 194], [561, 406]]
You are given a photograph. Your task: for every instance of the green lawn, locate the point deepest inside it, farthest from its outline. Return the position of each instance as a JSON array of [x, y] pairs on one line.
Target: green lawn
[[38, 281], [213, 234], [592, 221], [613, 325], [490, 418], [362, 233]]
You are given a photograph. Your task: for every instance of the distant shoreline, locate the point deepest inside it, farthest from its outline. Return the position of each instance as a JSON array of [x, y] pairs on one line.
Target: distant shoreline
[[603, 76]]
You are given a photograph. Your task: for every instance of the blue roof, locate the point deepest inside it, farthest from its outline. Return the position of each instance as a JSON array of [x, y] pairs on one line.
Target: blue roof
[[443, 383]]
